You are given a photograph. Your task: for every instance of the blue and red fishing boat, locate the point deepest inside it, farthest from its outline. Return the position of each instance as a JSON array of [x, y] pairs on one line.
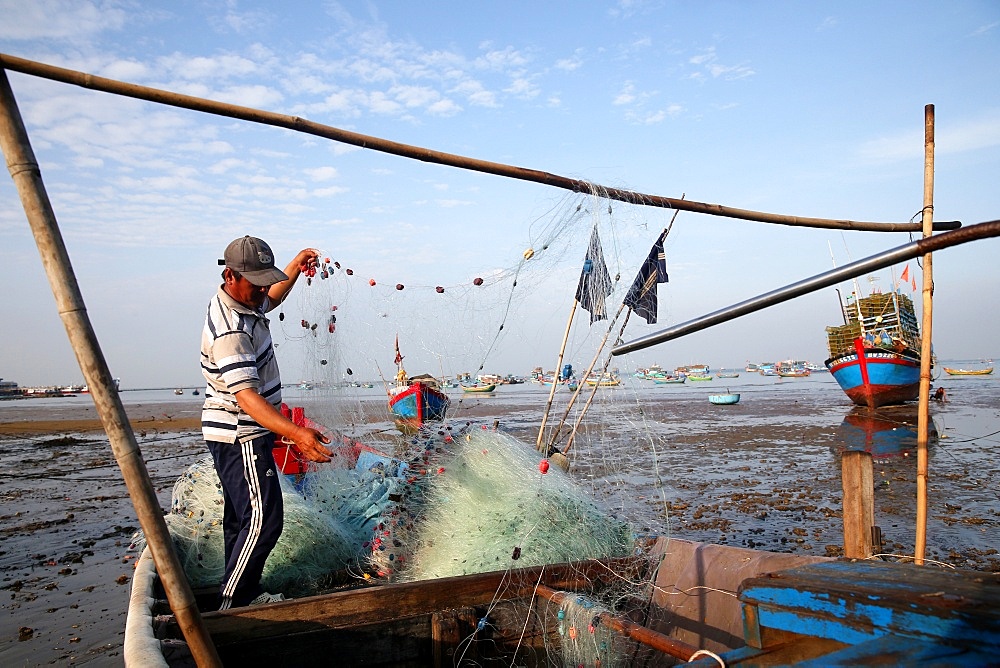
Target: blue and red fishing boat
[[416, 399], [875, 354]]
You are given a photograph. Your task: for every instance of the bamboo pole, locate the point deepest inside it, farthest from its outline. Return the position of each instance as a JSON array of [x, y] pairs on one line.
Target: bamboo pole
[[593, 392], [28, 179], [555, 384], [427, 155], [637, 632], [586, 374], [923, 416]]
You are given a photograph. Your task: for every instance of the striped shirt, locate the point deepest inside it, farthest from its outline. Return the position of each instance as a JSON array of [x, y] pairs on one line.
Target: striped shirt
[[236, 354]]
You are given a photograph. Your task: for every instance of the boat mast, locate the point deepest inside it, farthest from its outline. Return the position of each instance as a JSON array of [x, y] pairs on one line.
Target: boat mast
[[923, 418]]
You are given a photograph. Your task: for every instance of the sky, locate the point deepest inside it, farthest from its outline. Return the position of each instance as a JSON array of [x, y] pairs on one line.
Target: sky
[[810, 109]]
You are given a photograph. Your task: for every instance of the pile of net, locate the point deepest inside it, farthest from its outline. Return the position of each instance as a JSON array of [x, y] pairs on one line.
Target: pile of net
[[476, 500], [329, 518]]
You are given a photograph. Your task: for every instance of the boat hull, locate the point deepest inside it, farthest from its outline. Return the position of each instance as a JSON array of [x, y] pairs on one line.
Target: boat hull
[[419, 403], [876, 377], [482, 389], [723, 399]]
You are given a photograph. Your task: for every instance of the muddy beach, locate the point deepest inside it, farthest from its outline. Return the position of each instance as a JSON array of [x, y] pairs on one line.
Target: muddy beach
[[764, 473]]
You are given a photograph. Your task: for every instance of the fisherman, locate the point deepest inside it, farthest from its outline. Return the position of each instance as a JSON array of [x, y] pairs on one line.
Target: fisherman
[[940, 395], [240, 417]]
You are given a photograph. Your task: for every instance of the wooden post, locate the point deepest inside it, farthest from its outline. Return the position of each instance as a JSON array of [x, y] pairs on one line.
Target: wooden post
[[923, 416], [69, 301], [859, 503]]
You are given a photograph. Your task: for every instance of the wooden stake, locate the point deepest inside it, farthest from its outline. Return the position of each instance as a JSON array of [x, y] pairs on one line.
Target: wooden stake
[[859, 503], [923, 415], [427, 155], [69, 301]]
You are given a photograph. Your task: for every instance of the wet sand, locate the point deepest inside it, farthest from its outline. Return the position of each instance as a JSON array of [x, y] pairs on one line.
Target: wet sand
[[762, 474]]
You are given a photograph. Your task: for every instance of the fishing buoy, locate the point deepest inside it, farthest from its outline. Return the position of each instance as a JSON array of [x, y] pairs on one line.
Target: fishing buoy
[[543, 466], [350, 272], [326, 260], [332, 328], [333, 308], [530, 253], [323, 362], [281, 316], [371, 282], [305, 323], [439, 289], [477, 281], [517, 553], [349, 372], [399, 286]]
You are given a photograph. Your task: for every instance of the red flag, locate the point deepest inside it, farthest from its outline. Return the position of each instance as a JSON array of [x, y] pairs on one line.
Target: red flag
[[913, 282], [906, 274], [399, 358]]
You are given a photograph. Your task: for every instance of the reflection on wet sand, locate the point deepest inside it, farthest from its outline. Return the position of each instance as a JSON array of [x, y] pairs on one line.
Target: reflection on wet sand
[[889, 431]]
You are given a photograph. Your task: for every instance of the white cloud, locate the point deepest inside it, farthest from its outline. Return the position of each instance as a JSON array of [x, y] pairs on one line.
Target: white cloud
[[522, 87], [626, 96], [70, 20], [208, 67], [970, 135], [324, 173], [986, 29]]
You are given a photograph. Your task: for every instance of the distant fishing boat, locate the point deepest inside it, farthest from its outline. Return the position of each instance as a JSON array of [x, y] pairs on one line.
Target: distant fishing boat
[[875, 355], [670, 380], [969, 372], [695, 377], [195, 392], [791, 369], [606, 380], [178, 391], [723, 399], [482, 389], [727, 374]]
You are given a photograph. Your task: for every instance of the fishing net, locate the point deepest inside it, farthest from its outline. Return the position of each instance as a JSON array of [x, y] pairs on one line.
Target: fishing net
[[480, 501], [327, 522]]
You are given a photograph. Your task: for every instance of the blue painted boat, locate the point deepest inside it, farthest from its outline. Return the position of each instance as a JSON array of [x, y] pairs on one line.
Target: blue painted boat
[[723, 399], [875, 355], [418, 402]]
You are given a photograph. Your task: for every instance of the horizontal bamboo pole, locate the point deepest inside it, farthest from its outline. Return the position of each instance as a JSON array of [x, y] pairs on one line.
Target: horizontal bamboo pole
[[637, 632], [298, 124]]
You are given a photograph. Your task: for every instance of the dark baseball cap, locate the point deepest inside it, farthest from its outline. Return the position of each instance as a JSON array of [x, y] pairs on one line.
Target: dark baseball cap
[[254, 260]]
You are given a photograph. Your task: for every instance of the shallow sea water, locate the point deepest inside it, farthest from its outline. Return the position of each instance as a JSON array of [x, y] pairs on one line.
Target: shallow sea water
[[764, 473]]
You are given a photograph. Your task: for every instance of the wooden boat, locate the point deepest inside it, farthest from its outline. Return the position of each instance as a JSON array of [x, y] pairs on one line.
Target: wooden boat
[[418, 401], [607, 380], [696, 377], [178, 391], [727, 374], [875, 356], [481, 389], [670, 380], [969, 372], [723, 399], [789, 609]]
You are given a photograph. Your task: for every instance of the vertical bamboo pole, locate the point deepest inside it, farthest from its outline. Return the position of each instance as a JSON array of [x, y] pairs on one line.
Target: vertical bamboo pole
[[548, 406], [925, 342], [69, 301]]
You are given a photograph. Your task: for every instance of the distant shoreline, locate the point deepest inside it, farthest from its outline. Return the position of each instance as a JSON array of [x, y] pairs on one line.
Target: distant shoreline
[[36, 418]]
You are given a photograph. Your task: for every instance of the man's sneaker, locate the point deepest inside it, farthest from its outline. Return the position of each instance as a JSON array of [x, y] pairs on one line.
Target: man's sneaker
[[267, 598]]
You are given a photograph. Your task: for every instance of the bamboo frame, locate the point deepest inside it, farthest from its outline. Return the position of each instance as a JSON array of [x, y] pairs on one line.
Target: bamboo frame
[[298, 124], [923, 416], [27, 178]]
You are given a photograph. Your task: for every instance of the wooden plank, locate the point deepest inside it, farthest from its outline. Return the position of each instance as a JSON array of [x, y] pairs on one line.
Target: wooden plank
[[859, 601], [451, 630], [382, 603], [859, 503]]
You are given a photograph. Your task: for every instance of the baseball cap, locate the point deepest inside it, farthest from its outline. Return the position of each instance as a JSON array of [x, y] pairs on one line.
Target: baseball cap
[[254, 260]]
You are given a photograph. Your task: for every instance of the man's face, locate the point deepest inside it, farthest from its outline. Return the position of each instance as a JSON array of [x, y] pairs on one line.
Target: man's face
[[245, 292]]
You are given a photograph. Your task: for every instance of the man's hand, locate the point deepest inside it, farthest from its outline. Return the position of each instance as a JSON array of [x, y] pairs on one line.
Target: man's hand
[[310, 443]]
